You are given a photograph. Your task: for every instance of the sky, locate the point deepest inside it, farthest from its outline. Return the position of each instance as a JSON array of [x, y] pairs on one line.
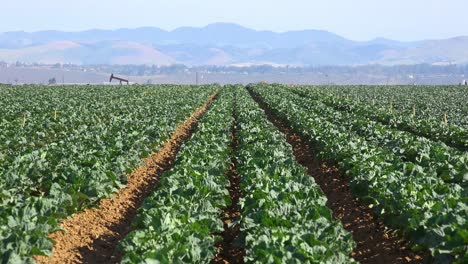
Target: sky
[[404, 20]]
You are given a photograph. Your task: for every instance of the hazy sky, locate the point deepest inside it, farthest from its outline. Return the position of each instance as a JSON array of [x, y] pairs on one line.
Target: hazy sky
[[355, 19]]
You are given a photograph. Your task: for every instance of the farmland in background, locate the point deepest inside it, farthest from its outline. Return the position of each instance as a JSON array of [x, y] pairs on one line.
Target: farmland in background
[[424, 102]]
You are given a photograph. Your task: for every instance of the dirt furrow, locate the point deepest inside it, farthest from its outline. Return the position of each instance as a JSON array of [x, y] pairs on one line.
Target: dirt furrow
[[375, 242], [229, 251], [93, 235]]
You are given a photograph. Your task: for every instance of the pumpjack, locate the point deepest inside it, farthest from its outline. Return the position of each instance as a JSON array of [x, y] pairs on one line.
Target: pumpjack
[[112, 77]]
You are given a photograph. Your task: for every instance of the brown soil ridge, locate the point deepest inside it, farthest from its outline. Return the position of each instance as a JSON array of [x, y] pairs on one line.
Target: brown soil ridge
[[376, 243], [93, 235], [229, 252]]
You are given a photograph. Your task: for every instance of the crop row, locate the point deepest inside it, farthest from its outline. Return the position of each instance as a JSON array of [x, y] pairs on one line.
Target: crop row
[[430, 212], [284, 218], [452, 135], [178, 223], [447, 163], [64, 148], [426, 102]]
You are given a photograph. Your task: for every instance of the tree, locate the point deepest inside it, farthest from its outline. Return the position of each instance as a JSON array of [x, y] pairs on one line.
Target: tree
[[52, 81]]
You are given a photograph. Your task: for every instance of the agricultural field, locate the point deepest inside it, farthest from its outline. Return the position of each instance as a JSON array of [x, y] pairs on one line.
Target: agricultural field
[[264, 173], [64, 148], [427, 102]]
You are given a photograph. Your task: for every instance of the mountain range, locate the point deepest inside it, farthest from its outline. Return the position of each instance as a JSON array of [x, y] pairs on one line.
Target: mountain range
[[222, 44]]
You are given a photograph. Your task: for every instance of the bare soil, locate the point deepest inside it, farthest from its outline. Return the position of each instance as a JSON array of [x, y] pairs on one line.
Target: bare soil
[[229, 249], [376, 243], [93, 235]]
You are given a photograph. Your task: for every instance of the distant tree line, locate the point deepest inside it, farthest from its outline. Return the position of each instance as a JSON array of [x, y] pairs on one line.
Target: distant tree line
[[140, 70], [375, 69]]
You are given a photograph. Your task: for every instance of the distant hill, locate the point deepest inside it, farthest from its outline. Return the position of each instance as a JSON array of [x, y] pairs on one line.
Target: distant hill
[[222, 44]]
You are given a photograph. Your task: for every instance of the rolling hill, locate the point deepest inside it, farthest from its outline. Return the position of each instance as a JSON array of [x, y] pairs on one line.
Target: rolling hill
[[222, 44]]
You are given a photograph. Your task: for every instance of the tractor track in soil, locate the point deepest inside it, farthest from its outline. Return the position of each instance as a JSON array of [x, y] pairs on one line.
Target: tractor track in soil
[[229, 251], [375, 243], [92, 236]]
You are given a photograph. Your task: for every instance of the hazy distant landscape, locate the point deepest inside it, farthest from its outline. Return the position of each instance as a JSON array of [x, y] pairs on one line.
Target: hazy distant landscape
[[222, 44], [153, 55], [23, 73]]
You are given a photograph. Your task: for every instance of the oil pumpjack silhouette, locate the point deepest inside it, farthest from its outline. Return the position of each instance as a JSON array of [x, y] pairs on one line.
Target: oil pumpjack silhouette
[[121, 80]]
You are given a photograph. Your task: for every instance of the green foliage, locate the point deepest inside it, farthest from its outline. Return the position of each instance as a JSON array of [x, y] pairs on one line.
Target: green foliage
[[410, 195], [178, 223], [450, 164], [63, 148], [284, 218], [283, 214], [430, 102], [419, 110]]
